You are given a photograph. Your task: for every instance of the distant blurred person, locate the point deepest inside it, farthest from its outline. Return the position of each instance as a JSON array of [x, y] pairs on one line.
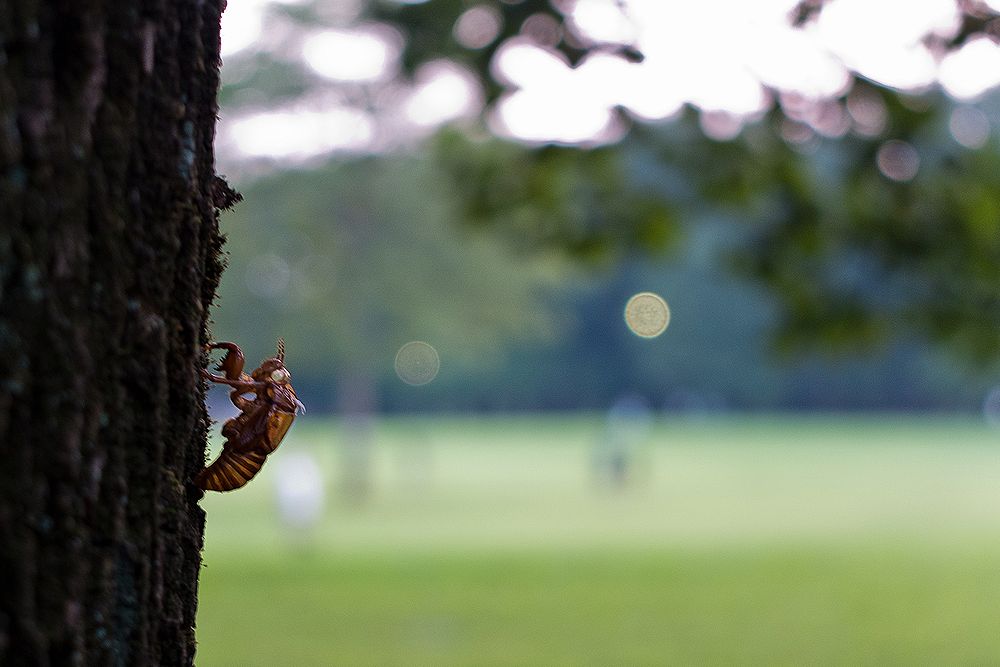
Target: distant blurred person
[[628, 424], [299, 492], [991, 407]]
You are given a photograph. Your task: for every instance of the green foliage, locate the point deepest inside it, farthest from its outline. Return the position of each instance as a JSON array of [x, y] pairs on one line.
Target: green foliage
[[858, 259], [350, 261], [828, 225], [854, 258], [584, 203]]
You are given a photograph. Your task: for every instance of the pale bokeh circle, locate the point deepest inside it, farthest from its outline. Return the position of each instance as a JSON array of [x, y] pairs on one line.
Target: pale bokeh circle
[[417, 363], [647, 314], [898, 160]]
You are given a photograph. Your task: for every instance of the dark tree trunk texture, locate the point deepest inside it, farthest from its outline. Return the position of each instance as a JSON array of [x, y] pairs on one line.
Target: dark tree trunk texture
[[109, 260]]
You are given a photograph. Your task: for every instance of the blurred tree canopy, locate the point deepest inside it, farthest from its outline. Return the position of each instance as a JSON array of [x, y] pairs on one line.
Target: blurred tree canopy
[[364, 261], [855, 258], [880, 228], [350, 274], [853, 253]]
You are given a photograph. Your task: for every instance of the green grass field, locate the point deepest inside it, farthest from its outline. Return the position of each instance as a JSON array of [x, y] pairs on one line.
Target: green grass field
[[736, 541]]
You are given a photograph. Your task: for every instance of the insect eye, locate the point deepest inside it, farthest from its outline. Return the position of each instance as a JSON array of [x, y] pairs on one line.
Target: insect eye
[[279, 375]]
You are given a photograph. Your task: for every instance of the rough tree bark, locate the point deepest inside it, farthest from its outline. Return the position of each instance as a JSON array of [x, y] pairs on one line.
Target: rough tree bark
[[109, 260]]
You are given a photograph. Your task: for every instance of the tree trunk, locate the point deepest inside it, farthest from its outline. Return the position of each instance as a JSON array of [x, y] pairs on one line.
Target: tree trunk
[[356, 405], [109, 260]]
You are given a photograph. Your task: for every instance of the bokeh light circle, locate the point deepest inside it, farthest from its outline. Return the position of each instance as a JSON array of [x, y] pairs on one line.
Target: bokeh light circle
[[647, 314], [417, 363], [898, 160], [970, 127], [478, 27]]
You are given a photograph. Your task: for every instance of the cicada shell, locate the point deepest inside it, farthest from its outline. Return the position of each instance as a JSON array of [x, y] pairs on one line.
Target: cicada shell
[[262, 424]]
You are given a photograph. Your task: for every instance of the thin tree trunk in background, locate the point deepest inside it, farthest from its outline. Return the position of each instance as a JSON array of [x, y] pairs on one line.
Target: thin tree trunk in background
[[356, 405], [109, 260]]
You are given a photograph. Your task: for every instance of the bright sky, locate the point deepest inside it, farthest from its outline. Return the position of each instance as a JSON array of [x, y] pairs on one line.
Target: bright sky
[[722, 57]]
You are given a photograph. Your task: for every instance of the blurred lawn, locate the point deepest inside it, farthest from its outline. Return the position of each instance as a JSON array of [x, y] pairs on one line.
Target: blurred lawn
[[739, 540]]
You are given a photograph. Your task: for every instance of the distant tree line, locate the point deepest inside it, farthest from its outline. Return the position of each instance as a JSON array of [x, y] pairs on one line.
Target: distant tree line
[[350, 274]]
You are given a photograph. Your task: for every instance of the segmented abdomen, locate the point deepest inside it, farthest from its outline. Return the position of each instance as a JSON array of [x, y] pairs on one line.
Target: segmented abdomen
[[230, 471]]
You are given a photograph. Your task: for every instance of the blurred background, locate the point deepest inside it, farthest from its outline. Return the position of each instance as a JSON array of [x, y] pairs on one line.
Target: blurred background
[[784, 451]]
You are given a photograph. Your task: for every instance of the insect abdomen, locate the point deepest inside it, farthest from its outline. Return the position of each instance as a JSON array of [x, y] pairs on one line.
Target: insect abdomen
[[230, 471]]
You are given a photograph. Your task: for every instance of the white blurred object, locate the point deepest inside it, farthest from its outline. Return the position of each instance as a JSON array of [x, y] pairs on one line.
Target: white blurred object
[[630, 419], [628, 425], [299, 490]]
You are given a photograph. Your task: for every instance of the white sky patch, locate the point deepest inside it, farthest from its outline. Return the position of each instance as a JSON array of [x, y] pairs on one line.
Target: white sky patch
[[905, 67], [721, 57], [603, 21], [618, 82], [541, 115], [887, 22], [698, 52], [972, 70], [521, 64], [882, 40], [723, 88], [553, 102], [243, 23], [300, 134], [360, 54], [788, 59], [444, 91]]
